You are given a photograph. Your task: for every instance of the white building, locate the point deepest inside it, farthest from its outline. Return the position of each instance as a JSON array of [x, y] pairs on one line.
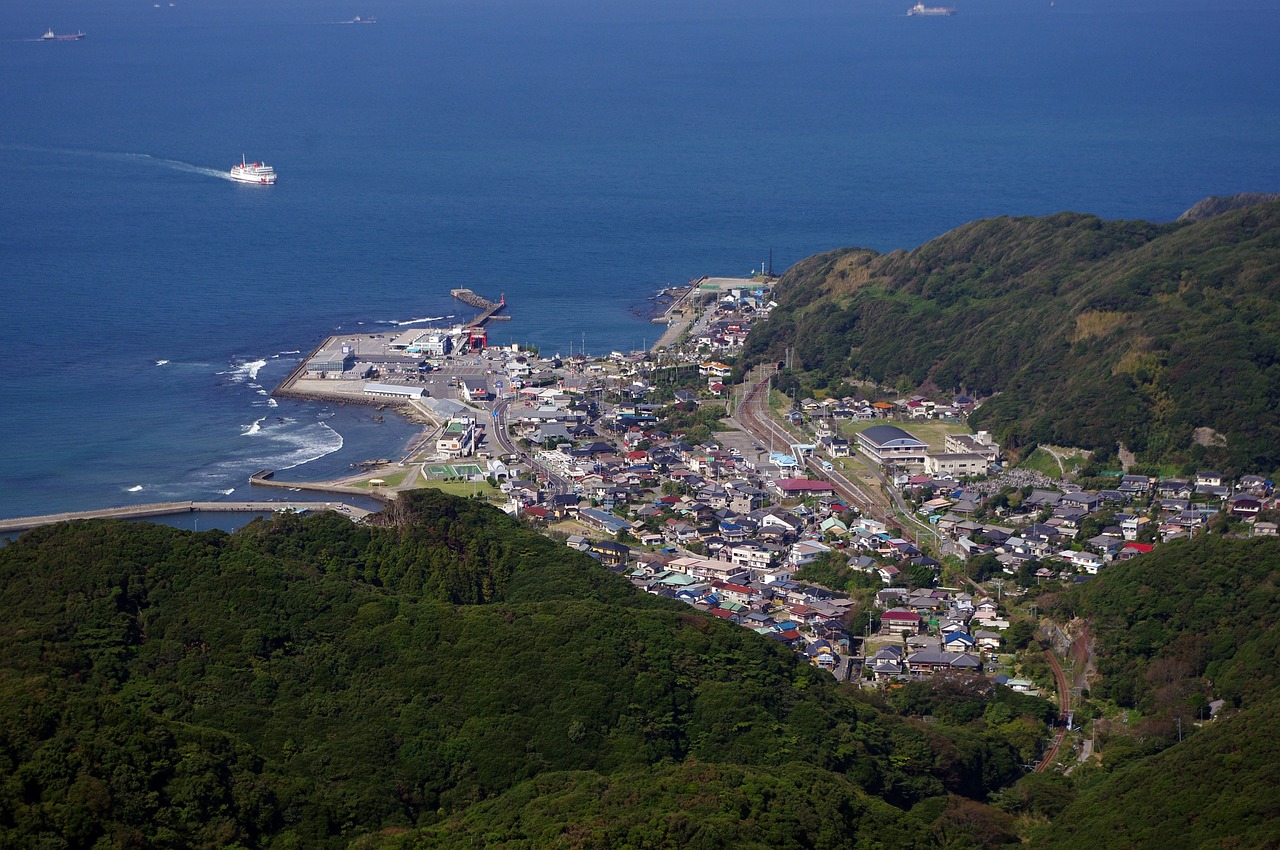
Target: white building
[[981, 443], [958, 464], [458, 438]]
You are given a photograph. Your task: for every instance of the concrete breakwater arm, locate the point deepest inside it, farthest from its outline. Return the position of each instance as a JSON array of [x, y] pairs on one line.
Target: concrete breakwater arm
[[263, 478], [297, 371], [169, 508]]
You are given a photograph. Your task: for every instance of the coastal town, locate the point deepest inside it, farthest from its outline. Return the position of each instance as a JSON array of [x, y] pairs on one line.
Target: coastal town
[[876, 534], [710, 487]]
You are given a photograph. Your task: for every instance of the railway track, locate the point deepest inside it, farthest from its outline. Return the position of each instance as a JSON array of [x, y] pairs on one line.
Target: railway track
[[753, 416], [1064, 713]]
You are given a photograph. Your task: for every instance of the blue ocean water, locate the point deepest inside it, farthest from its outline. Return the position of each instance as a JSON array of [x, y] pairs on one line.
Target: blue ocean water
[[572, 155]]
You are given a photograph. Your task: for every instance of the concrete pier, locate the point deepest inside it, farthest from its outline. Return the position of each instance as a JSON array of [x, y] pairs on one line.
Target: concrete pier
[[170, 508]]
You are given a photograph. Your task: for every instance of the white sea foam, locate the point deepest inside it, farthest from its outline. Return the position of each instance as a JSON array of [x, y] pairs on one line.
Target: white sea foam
[[313, 442], [271, 402], [162, 362], [134, 489], [245, 371], [261, 391], [228, 491], [286, 445], [287, 353]]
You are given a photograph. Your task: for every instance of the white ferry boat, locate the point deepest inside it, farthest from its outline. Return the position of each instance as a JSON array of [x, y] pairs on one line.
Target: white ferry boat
[[253, 172]]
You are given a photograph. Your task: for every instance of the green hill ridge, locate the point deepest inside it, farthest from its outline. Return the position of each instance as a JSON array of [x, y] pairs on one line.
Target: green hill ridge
[[445, 678], [1077, 331], [1195, 621]]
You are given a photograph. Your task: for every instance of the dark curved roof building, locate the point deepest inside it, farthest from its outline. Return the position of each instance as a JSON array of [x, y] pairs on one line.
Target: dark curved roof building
[[890, 444]]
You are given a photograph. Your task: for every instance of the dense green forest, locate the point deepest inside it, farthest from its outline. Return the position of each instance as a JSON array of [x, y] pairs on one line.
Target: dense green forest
[[1080, 331], [1195, 621], [444, 677]]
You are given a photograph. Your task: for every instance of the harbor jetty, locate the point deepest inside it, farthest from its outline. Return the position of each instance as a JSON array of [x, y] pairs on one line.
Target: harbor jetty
[[488, 309], [263, 478], [17, 524]]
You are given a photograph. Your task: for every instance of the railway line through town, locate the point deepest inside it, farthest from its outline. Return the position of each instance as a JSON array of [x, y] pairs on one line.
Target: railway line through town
[[752, 415]]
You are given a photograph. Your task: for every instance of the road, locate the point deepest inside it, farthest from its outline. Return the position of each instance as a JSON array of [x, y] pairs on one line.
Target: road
[[556, 483]]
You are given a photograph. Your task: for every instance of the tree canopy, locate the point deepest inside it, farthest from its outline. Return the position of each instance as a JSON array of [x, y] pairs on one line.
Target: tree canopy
[[440, 676], [1085, 332]]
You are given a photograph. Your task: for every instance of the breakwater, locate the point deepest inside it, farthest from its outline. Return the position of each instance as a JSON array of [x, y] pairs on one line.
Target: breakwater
[[263, 478], [155, 509]]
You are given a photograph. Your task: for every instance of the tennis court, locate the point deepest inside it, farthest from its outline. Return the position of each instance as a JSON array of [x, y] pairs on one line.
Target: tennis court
[[452, 470]]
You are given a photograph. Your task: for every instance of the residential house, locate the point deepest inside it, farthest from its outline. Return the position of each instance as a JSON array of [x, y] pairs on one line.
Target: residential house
[[604, 521], [900, 621], [927, 662], [610, 553]]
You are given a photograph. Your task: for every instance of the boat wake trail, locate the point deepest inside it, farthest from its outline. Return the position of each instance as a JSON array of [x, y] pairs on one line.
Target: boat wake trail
[[116, 156], [178, 165], [417, 321]]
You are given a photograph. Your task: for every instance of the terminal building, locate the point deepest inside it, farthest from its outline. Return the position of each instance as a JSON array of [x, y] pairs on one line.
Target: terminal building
[[434, 344], [332, 361], [431, 342], [393, 390]]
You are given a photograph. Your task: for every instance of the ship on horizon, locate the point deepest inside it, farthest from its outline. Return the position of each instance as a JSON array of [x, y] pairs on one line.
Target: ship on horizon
[[50, 35], [922, 9], [253, 172]]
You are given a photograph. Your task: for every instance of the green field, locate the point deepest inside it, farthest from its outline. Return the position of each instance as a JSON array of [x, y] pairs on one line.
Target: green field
[[1043, 460], [466, 488], [389, 480]]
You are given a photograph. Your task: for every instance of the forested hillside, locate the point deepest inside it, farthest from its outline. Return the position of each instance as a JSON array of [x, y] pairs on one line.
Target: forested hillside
[[308, 682], [1193, 622], [1080, 331]]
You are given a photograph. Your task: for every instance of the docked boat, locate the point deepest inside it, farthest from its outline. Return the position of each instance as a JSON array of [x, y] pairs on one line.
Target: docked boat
[[922, 9], [253, 172], [50, 35]]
